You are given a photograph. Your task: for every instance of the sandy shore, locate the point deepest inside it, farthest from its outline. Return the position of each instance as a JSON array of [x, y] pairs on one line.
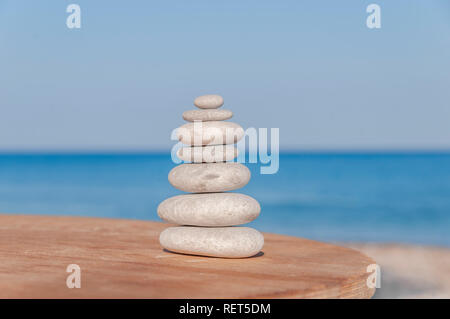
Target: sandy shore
[[409, 271]]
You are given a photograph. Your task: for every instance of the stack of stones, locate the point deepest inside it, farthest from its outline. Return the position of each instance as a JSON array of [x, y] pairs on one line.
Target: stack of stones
[[208, 214]]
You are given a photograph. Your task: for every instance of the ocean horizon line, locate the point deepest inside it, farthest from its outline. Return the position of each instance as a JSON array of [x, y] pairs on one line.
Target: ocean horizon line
[[87, 152]]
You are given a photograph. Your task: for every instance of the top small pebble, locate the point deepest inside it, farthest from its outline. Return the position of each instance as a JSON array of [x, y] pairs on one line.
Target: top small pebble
[[210, 101]]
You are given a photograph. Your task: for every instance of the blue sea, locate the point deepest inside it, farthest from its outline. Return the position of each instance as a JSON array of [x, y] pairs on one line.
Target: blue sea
[[330, 197]]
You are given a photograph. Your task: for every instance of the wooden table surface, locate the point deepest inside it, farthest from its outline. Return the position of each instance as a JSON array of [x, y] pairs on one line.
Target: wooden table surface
[[123, 259]]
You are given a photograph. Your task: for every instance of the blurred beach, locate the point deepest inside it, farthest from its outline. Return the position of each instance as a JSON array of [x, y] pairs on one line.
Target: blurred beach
[[410, 271], [393, 207]]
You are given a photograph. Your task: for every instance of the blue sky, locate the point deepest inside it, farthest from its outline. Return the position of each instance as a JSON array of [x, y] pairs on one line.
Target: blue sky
[[311, 68]]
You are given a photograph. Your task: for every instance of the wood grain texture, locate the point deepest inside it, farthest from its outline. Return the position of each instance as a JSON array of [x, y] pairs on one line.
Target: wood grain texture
[[123, 259]]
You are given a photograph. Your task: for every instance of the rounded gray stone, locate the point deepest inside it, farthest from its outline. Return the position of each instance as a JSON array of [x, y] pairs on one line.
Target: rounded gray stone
[[209, 177], [208, 154], [211, 209], [226, 242], [207, 115], [210, 133], [210, 101]]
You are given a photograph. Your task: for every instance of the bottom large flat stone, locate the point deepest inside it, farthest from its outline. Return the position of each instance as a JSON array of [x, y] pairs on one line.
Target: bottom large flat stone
[[226, 242]]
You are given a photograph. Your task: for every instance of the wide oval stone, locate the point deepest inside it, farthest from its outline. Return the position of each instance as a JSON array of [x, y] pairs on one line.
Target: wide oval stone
[[210, 101], [207, 115], [210, 133], [209, 177], [226, 242], [208, 154], [212, 209]]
